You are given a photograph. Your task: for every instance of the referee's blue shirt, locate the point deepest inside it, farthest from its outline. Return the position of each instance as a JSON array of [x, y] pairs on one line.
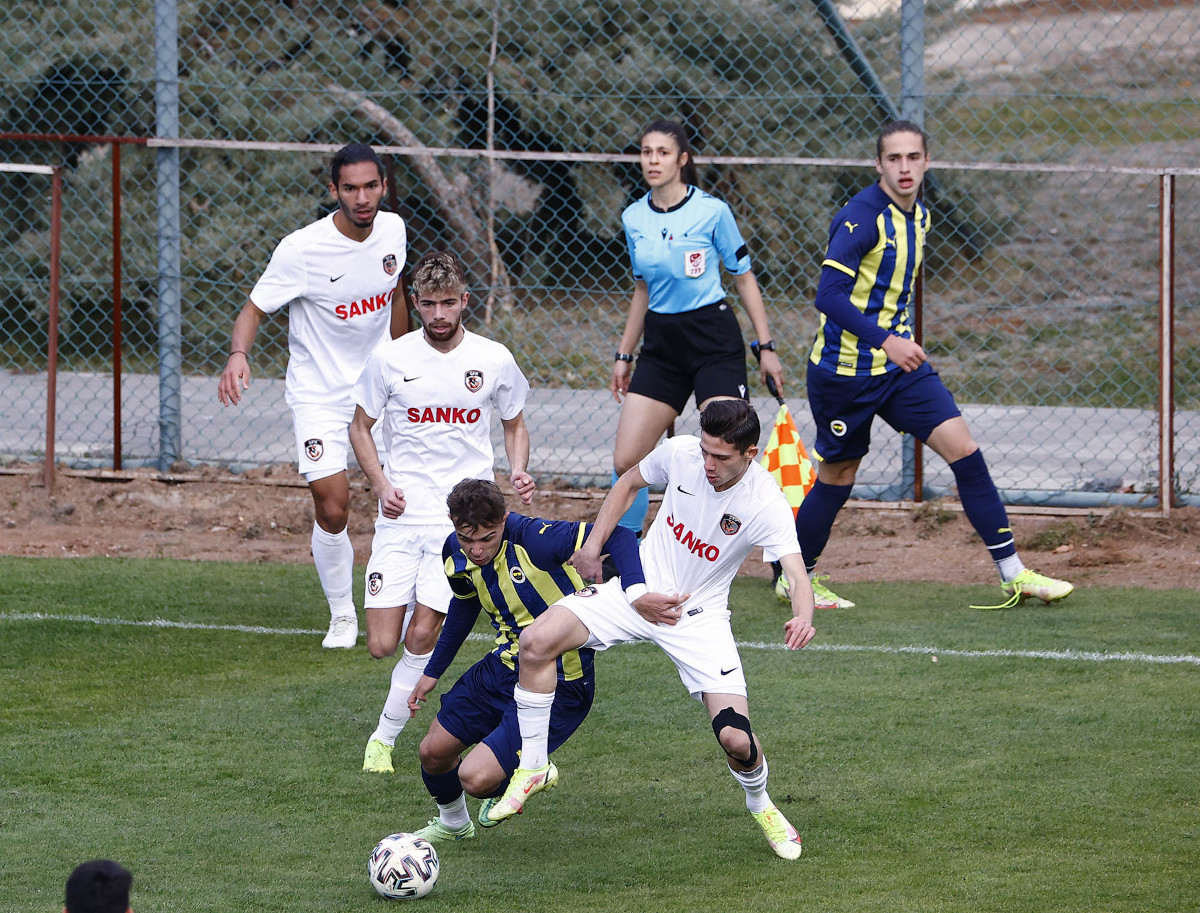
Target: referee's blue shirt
[[678, 252]]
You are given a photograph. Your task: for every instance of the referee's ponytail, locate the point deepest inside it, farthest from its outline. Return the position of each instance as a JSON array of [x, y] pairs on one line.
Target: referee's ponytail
[[676, 131]]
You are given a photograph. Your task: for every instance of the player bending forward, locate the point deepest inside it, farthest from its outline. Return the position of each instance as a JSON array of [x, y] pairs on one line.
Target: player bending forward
[[719, 503], [512, 567]]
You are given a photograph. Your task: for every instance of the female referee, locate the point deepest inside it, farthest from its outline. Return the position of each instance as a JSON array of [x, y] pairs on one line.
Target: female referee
[[678, 237]]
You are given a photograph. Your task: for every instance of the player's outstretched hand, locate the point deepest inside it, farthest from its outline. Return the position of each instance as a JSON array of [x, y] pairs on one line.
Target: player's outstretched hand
[[234, 379], [424, 685], [797, 633], [904, 352], [392, 503], [590, 566], [525, 486], [660, 608]]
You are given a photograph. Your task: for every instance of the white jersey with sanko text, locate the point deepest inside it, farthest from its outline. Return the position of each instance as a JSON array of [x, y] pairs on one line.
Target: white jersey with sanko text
[[437, 414], [700, 536], [339, 294]]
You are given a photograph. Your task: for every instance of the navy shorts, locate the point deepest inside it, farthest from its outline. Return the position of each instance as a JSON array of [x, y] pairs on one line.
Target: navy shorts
[[698, 351], [844, 407], [480, 709]]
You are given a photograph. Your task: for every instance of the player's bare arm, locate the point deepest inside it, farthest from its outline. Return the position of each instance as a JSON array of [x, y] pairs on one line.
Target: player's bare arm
[[616, 502], [236, 376], [588, 562], [904, 352], [798, 630], [751, 295], [391, 500], [634, 326], [420, 694], [516, 447]]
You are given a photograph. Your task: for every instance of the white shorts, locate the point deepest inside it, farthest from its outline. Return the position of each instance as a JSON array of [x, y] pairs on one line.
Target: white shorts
[[406, 566], [701, 645], [322, 439]]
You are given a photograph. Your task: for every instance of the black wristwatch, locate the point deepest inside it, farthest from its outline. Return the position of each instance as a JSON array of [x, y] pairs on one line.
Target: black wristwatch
[[621, 356], [757, 348]]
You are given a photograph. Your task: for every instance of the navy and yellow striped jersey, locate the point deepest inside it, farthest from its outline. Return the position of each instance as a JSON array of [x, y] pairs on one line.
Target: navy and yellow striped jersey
[[528, 575], [872, 262]]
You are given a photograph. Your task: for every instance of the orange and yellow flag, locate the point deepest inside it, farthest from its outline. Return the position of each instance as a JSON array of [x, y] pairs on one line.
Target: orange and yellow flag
[[787, 460]]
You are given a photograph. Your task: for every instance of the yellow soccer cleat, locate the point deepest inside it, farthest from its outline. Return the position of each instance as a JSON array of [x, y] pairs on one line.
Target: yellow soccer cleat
[[784, 839], [524, 783], [378, 758]]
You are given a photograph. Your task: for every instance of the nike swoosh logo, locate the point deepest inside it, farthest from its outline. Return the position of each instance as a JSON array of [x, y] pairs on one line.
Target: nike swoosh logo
[[727, 671], [335, 278], [679, 488], [408, 379]]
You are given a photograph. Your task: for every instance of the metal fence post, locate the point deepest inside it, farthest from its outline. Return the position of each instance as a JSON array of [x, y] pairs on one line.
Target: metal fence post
[[170, 344]]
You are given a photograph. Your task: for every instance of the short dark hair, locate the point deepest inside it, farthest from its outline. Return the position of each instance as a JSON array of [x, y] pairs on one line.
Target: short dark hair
[[732, 420], [100, 886], [474, 503], [679, 133], [899, 126], [439, 271], [353, 154]]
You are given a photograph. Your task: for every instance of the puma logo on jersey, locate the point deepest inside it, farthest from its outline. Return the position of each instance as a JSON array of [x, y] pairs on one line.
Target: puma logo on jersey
[[542, 531], [850, 226], [366, 306], [889, 242]]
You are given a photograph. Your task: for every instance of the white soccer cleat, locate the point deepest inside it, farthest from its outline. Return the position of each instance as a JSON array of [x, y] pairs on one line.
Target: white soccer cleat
[[343, 633]]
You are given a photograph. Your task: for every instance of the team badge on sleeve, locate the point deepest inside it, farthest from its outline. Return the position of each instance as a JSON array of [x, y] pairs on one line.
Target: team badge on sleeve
[[389, 264], [473, 380], [375, 583], [314, 448], [730, 524]]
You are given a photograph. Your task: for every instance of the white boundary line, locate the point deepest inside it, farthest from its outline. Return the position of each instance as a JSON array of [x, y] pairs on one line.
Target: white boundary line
[[1084, 656]]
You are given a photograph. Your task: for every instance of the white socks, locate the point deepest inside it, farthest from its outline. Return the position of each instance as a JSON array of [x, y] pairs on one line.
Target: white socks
[[333, 555], [533, 716], [455, 815], [405, 675], [1009, 568], [754, 782]]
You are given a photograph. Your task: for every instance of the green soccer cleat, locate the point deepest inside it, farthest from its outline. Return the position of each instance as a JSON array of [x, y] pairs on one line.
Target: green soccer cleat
[[824, 597], [378, 758], [780, 834], [485, 811], [524, 783], [436, 832], [1031, 583], [783, 590]]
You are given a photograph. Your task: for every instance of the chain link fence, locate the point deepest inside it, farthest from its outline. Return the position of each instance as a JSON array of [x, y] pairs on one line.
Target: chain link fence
[[1042, 284]]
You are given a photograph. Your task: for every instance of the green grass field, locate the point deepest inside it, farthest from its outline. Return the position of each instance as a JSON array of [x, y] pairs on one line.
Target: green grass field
[[1047, 760]]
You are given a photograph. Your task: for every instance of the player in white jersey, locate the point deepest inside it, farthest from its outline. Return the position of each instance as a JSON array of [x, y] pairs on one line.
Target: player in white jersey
[[718, 504], [436, 392], [336, 277]]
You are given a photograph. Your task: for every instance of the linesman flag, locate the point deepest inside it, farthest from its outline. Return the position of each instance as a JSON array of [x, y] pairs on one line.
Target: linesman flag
[[785, 457]]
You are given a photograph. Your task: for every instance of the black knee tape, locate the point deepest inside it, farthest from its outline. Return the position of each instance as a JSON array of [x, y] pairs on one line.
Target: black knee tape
[[731, 718]]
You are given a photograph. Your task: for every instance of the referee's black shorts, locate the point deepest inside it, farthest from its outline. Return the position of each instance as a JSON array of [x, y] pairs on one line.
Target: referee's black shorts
[[698, 352]]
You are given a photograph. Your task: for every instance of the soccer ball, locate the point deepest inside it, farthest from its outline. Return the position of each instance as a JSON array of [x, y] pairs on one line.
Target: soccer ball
[[403, 866]]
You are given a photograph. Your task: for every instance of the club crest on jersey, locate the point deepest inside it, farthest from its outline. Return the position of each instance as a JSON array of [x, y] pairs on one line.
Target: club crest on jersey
[[517, 575], [730, 524], [474, 380], [586, 591], [693, 263], [314, 448], [389, 264], [375, 583]]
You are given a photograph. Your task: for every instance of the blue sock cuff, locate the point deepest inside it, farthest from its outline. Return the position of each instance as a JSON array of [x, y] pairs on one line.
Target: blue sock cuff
[[445, 788]]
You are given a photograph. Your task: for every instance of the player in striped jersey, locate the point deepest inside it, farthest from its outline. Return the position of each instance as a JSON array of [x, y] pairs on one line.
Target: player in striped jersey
[[865, 362], [512, 567]]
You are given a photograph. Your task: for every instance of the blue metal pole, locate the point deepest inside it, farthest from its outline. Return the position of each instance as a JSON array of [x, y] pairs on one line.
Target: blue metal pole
[[170, 338]]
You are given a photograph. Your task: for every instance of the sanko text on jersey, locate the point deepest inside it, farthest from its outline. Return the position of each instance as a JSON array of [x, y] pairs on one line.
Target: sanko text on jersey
[[366, 306]]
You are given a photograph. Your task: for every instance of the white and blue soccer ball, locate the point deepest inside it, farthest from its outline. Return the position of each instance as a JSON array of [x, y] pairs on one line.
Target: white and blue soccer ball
[[403, 866]]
